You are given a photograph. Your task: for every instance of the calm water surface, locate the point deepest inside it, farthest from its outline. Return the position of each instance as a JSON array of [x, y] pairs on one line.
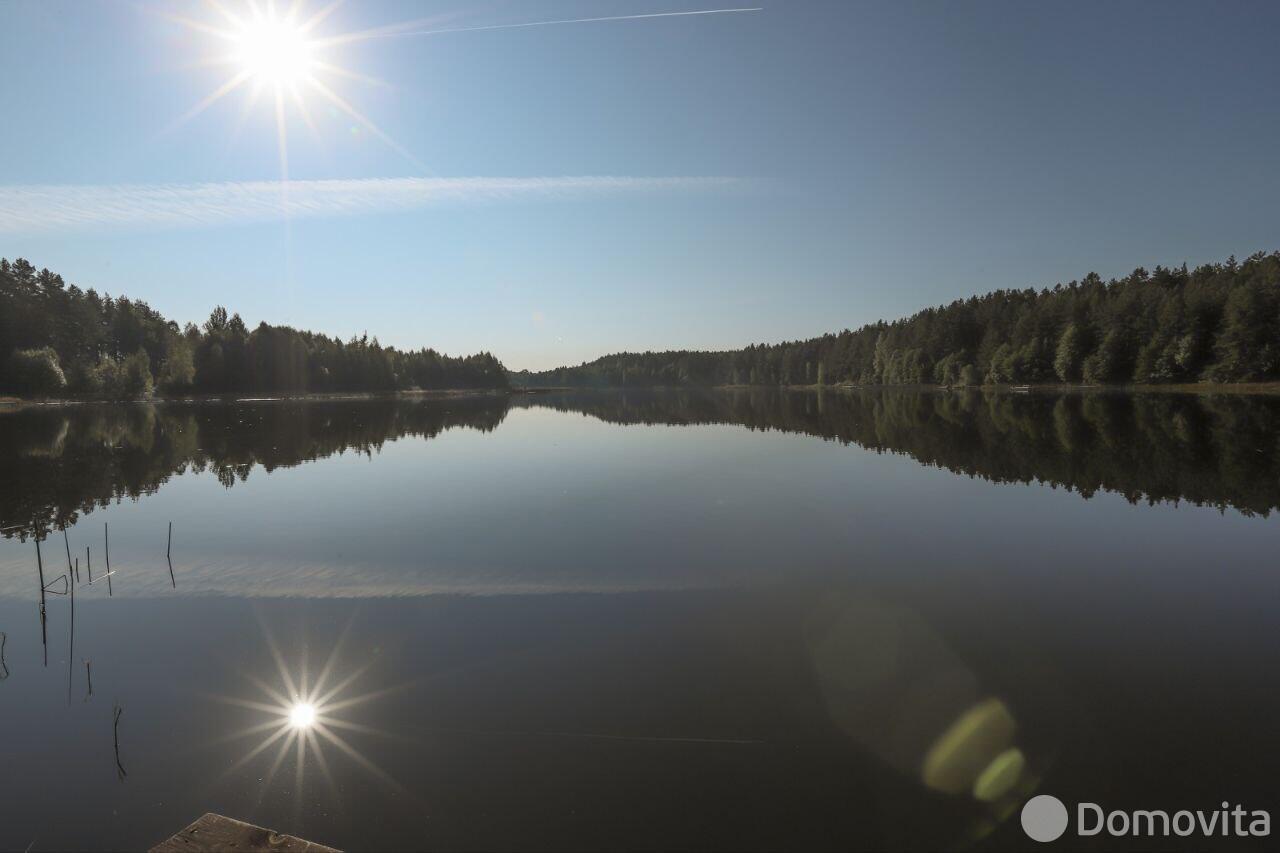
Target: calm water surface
[[694, 620]]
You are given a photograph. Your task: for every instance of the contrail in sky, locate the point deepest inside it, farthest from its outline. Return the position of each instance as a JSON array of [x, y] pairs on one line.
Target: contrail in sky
[[569, 21], [26, 209]]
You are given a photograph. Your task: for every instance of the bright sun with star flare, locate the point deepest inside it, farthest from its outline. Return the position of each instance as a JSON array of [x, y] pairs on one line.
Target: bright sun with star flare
[[277, 55], [305, 719], [274, 51], [302, 715]]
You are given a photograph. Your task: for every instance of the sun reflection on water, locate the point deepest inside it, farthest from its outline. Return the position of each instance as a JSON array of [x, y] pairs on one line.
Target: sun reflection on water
[[304, 719]]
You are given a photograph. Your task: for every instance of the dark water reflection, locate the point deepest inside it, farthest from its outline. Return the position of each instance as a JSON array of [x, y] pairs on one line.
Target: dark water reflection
[[1218, 450], [622, 621]]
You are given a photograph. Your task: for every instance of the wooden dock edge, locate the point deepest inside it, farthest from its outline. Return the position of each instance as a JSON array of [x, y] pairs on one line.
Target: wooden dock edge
[[214, 832]]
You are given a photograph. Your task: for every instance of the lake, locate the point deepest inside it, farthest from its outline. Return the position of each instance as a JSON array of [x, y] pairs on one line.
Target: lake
[[705, 620]]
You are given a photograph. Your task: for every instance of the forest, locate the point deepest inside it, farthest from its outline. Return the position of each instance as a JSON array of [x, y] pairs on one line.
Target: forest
[[57, 340], [1217, 323]]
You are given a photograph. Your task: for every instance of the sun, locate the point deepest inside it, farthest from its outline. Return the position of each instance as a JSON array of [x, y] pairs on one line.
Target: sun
[[302, 715], [278, 55], [274, 51]]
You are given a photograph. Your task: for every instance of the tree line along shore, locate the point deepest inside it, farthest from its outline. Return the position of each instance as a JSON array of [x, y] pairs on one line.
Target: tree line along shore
[[1217, 323], [1172, 326], [57, 340]]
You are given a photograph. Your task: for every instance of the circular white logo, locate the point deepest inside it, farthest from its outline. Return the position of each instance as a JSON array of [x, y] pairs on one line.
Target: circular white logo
[[1044, 818]]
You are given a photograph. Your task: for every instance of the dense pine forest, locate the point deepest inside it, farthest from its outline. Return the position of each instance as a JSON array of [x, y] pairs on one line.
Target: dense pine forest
[[1216, 323], [58, 340]]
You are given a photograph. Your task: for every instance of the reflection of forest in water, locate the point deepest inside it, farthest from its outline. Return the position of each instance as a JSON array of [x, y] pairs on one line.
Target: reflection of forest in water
[[1218, 450], [59, 462]]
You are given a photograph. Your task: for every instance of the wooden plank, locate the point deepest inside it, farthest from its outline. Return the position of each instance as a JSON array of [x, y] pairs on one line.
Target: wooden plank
[[215, 832]]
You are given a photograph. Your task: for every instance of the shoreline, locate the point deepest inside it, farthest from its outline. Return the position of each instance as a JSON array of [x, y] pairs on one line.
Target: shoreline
[[1237, 388], [441, 393], [1249, 388]]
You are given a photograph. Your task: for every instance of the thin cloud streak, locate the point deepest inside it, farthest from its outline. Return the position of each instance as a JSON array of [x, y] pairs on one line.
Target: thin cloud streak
[[567, 21], [26, 209]]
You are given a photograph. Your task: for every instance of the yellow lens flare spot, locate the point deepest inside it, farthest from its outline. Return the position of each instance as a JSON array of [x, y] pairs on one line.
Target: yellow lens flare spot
[[968, 746], [302, 715], [1000, 776]]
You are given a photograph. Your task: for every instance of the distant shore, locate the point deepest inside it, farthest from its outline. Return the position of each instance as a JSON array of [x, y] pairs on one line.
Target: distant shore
[[1179, 388], [1248, 388], [1173, 388], [6, 402]]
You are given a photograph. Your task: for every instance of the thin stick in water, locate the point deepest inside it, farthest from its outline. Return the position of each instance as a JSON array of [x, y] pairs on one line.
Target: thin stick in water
[[67, 542], [4, 667], [88, 566], [167, 551], [106, 544], [44, 634], [117, 712], [88, 674], [71, 653]]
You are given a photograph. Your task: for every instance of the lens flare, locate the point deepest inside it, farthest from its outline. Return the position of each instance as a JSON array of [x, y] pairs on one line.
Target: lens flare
[[302, 715], [303, 718], [280, 55]]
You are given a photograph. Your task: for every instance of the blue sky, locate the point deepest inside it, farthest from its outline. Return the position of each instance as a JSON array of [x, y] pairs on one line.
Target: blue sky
[[880, 158]]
